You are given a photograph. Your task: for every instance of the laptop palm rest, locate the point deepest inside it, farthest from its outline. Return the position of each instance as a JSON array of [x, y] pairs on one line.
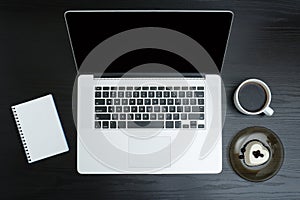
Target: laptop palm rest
[[150, 153]]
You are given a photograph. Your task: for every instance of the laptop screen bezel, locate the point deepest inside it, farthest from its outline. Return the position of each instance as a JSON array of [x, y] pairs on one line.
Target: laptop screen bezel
[[148, 11]]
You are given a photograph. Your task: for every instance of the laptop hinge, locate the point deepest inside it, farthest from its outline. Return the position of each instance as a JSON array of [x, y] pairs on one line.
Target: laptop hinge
[[149, 75]]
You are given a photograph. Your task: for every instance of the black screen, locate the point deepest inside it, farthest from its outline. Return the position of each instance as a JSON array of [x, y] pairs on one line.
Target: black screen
[[209, 29]]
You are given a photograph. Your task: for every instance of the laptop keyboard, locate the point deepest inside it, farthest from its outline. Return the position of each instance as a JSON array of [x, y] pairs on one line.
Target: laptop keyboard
[[149, 107]]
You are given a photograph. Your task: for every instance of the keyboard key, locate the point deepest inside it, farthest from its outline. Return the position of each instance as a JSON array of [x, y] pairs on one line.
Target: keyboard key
[[118, 108], [181, 94], [176, 116], [166, 94], [162, 102], [99, 101], [185, 126], [126, 109], [199, 94], [200, 125], [105, 124], [98, 94], [193, 124], [193, 101], [196, 116], [136, 94], [105, 88], [129, 88], [113, 124], [200, 101], [153, 88], [116, 101], [100, 109], [185, 88], [121, 124], [128, 94], [158, 94], [137, 116], [164, 109], [113, 88], [160, 116], [151, 94], [169, 124], [173, 94], [111, 109], [187, 108], [120, 94], [179, 109], [129, 116], [145, 88], [113, 94], [108, 101], [132, 102], [144, 94], [98, 124], [142, 109], [161, 88], [177, 88], [102, 116], [156, 109], [114, 116], [98, 88], [177, 101], [185, 101], [153, 116], [197, 109], [189, 94], [172, 109], [145, 124], [133, 109], [149, 108], [192, 88], [168, 116], [147, 102], [139, 101], [137, 88], [121, 88], [183, 116], [145, 116], [200, 88], [169, 88], [170, 101], [124, 101], [154, 101], [178, 124], [105, 94], [122, 116]]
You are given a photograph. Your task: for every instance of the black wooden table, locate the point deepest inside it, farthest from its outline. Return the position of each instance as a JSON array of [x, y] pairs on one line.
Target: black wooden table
[[36, 59]]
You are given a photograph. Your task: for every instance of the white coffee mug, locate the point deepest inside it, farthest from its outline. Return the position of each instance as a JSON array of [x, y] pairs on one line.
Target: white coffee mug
[[266, 108]]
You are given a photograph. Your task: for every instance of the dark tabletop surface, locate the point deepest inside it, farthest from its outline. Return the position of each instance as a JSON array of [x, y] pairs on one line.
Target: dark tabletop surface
[[36, 59]]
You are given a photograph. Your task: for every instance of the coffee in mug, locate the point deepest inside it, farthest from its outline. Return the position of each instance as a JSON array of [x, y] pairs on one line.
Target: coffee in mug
[[253, 97]]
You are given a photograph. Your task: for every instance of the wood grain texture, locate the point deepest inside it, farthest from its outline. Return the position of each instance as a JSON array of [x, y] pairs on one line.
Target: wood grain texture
[[36, 59]]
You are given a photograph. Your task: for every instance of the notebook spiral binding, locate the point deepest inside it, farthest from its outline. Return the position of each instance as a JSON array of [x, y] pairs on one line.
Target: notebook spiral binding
[[21, 133]]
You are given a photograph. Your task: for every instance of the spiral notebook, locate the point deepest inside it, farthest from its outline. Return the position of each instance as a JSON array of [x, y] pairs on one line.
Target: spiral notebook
[[40, 128]]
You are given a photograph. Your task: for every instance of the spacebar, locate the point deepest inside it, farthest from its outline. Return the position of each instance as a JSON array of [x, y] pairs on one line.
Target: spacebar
[[145, 124]]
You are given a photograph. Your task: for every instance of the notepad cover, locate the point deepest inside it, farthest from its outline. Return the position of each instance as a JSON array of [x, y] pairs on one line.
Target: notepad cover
[[40, 128]]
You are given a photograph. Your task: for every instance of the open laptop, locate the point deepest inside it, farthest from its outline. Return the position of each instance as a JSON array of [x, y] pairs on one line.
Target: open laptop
[[149, 110]]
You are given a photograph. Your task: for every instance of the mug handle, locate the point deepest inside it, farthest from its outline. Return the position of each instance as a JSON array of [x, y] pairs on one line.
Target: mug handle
[[269, 111]]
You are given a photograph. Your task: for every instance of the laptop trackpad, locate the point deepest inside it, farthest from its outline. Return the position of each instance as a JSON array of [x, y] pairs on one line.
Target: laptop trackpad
[[150, 153]]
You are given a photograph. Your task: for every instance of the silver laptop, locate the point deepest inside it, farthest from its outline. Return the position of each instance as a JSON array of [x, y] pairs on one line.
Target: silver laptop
[[149, 90]]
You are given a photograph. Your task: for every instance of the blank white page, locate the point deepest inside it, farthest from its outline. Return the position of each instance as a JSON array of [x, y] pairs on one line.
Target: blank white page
[[40, 128]]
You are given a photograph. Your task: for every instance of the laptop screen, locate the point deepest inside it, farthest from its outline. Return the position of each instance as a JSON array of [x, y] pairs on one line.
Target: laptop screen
[[210, 29]]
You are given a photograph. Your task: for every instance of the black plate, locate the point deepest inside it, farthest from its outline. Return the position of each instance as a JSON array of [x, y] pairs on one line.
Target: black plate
[[262, 172]]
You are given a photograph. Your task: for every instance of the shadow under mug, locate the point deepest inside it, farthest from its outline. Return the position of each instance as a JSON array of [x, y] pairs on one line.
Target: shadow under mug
[[265, 109]]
